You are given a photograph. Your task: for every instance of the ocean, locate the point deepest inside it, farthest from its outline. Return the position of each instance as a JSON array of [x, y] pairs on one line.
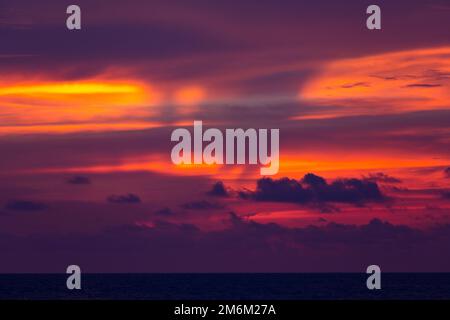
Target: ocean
[[251, 286]]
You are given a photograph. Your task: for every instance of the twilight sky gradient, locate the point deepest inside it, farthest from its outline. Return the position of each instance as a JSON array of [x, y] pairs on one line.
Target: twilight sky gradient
[[85, 121]]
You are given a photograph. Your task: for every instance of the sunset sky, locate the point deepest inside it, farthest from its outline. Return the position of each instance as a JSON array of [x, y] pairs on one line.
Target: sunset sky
[[86, 117]]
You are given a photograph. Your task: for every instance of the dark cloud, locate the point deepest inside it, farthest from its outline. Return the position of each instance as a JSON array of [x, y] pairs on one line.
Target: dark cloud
[[164, 212], [202, 205], [446, 195], [357, 84], [423, 85], [243, 246], [326, 208], [128, 198], [315, 189], [24, 205], [218, 190], [282, 190], [382, 178], [79, 180]]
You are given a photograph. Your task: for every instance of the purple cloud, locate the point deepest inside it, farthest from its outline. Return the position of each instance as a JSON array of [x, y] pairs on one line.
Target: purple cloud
[[24, 205], [127, 198], [79, 180], [382, 178], [202, 205], [218, 190], [244, 246]]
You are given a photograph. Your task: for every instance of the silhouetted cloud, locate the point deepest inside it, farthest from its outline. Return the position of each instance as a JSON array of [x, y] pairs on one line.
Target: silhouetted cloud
[[423, 85], [381, 177], [79, 180], [243, 246], [164, 212], [327, 208], [202, 205], [357, 84], [128, 198], [24, 205], [282, 190], [218, 190], [313, 188]]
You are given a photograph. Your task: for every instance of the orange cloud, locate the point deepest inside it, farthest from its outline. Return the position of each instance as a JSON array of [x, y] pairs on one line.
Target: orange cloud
[[44, 106], [72, 128], [103, 103], [158, 163], [69, 88], [386, 83], [294, 164], [189, 96]]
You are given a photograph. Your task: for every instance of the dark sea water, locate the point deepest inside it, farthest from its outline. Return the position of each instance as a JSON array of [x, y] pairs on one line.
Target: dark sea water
[[226, 286]]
